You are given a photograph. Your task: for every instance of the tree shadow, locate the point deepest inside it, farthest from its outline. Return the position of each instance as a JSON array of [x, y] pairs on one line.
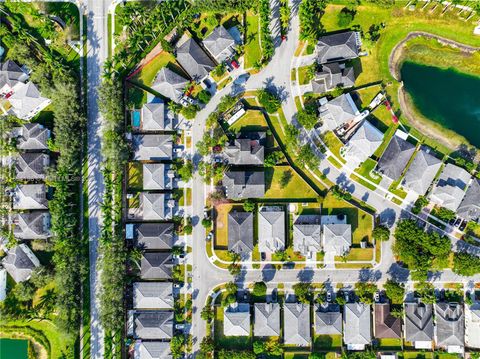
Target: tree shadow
[[306, 275]]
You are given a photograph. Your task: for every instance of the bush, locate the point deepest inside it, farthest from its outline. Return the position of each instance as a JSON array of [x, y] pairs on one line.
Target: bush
[[307, 158], [466, 264], [204, 96], [269, 100], [259, 289], [303, 292], [394, 291], [444, 214], [345, 16], [190, 111], [248, 205], [273, 158], [419, 204], [206, 222], [307, 118], [381, 233]]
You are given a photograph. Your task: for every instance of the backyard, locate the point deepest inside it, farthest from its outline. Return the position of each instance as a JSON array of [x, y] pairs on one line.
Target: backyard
[[221, 223], [253, 120], [327, 342], [232, 343], [253, 51], [283, 182]]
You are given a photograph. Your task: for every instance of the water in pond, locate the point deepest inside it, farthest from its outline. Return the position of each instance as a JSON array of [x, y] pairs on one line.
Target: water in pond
[[13, 348], [447, 97]]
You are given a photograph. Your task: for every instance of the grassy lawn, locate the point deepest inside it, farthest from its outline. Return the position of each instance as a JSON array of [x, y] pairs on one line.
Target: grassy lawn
[[284, 182], [365, 170], [136, 96], [147, 74], [419, 355], [253, 51], [334, 144], [396, 189], [298, 103], [303, 75], [327, 342], [390, 344], [221, 223], [363, 182], [253, 120], [231, 343], [386, 140], [361, 221], [358, 255], [135, 176]]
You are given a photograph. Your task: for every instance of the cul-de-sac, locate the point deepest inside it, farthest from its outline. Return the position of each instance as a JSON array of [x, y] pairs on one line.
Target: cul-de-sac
[[240, 179]]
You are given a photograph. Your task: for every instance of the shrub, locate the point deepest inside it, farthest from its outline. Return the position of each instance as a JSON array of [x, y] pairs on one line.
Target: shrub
[[419, 204], [204, 96], [307, 118], [269, 100], [248, 205], [394, 291], [273, 158], [259, 289], [190, 111], [345, 16], [466, 264], [381, 233]]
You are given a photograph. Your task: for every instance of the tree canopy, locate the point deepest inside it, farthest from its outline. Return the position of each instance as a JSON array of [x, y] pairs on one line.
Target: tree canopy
[[466, 264]]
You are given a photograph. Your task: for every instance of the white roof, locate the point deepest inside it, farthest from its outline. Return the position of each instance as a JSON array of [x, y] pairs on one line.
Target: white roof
[[472, 325], [152, 295], [363, 143], [3, 284]]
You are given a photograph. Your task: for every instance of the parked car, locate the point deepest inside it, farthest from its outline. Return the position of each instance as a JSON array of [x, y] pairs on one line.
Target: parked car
[[235, 64], [329, 297], [463, 225], [376, 297], [263, 256], [209, 236]]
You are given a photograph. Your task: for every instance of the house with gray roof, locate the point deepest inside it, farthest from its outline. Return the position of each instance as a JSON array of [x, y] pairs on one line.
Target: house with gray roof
[[194, 60], [20, 263], [153, 295], [337, 112], [469, 208], [421, 172], [152, 147], [26, 101], [307, 235], [156, 265], [170, 84], [338, 47], [31, 166], [152, 350], [155, 117], [220, 44], [30, 196], [271, 229], [328, 319], [245, 151], [366, 140], [472, 325], [386, 325], [395, 158], [153, 324], [155, 206], [333, 75], [31, 225], [337, 238], [12, 76], [244, 184], [32, 137], [240, 232], [450, 188], [419, 324], [296, 331], [267, 320], [157, 176], [154, 236], [357, 326], [450, 327], [236, 320]]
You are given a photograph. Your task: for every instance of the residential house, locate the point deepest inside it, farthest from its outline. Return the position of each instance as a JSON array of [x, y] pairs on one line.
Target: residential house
[[193, 59], [421, 172], [450, 188], [306, 235], [366, 140], [30, 196], [357, 326], [154, 236], [153, 324], [469, 208], [338, 47], [20, 263], [328, 319], [236, 320], [26, 101], [419, 325], [244, 184], [152, 147], [155, 117], [12, 77], [245, 151], [155, 206], [31, 166], [386, 325], [296, 330], [157, 176], [337, 238], [152, 350], [156, 265], [240, 232], [450, 327], [32, 225], [337, 112], [32, 137], [220, 44], [472, 325], [395, 158], [152, 295], [267, 320], [170, 84], [271, 229], [332, 76]]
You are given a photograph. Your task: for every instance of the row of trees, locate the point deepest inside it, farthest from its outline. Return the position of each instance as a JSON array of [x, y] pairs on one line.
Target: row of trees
[[310, 13], [265, 35]]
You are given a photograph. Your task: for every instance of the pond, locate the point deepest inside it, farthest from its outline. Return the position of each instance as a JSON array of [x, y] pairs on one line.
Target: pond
[[13, 348], [448, 97]]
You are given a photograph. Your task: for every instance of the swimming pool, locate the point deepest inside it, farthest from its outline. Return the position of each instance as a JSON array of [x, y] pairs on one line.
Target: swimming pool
[[136, 118]]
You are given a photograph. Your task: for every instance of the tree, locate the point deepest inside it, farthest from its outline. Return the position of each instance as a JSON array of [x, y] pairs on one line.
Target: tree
[[204, 96], [219, 70], [307, 118], [273, 158], [259, 289], [270, 101], [307, 158], [258, 347], [381, 233], [365, 291], [206, 222], [466, 264], [310, 14], [24, 291], [426, 292], [394, 291], [207, 345], [303, 292], [291, 136], [176, 346], [345, 16], [207, 313], [316, 356], [445, 214], [228, 299], [234, 269], [190, 111], [249, 205], [231, 288], [273, 347], [419, 204], [186, 171]]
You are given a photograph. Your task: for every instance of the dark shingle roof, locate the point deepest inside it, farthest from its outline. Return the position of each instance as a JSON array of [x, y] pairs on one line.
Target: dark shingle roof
[[31, 166], [470, 206], [155, 236], [156, 265], [194, 60], [244, 151], [240, 232], [450, 321], [11, 74], [244, 184], [32, 225], [30, 196], [395, 158], [20, 262], [386, 325], [154, 324], [332, 76], [337, 47]]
